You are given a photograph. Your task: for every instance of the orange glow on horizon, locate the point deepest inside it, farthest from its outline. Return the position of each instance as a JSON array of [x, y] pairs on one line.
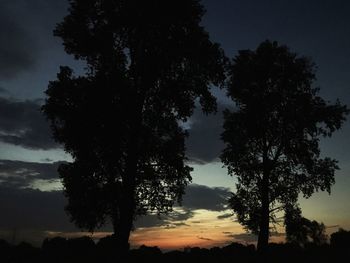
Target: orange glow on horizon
[[203, 230]]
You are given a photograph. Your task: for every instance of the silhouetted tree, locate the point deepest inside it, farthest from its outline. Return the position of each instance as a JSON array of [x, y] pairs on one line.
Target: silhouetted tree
[[272, 137], [147, 62], [300, 230], [340, 239]]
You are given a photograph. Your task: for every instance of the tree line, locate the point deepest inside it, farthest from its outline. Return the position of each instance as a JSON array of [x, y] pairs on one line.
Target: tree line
[[148, 64], [84, 249]]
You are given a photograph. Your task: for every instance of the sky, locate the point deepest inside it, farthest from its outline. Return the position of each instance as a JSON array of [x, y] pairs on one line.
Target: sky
[[31, 198]]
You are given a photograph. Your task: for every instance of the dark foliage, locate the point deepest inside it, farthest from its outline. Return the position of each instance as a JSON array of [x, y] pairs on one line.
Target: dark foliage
[[61, 250], [341, 239], [301, 231], [147, 62], [272, 138]]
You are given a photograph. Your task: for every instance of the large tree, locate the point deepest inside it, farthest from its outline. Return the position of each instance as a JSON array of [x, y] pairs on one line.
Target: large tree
[[147, 63], [272, 136]]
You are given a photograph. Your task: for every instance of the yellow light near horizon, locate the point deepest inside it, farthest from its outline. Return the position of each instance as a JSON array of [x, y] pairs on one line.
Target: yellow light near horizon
[[203, 230]]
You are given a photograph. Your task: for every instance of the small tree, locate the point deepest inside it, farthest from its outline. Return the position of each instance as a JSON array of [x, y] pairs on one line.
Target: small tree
[[272, 138], [147, 64], [301, 231]]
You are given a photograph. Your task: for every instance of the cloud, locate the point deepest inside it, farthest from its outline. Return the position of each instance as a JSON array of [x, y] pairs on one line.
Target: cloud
[[277, 234], [28, 208], [175, 225], [3, 90], [172, 220], [149, 221], [18, 49], [332, 226], [243, 237], [224, 216], [204, 144], [22, 123], [205, 238], [196, 197], [250, 238], [26, 34], [33, 209], [204, 197], [18, 174]]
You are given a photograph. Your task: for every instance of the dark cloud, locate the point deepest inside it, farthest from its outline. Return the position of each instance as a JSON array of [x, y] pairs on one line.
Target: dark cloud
[[182, 214], [205, 238], [332, 226], [250, 238], [33, 209], [27, 34], [196, 197], [47, 160], [204, 144], [149, 221], [224, 216], [40, 11], [17, 174], [243, 237], [171, 220], [3, 90], [175, 225], [17, 47], [22, 123], [45, 210], [277, 234], [204, 197]]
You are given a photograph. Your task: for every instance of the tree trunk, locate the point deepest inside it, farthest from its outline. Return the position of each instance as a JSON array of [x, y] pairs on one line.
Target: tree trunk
[[123, 228], [127, 205], [128, 202], [264, 231]]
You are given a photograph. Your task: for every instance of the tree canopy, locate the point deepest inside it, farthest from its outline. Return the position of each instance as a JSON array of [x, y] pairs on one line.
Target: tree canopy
[[147, 63], [272, 137]]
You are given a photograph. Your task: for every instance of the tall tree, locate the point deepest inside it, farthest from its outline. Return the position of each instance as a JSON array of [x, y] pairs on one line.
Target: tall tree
[[272, 137], [147, 63]]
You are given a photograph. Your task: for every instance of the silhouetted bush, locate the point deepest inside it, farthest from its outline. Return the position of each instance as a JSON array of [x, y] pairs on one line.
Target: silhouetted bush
[[61, 250], [23, 252], [154, 253], [5, 250], [55, 249], [340, 239], [107, 248]]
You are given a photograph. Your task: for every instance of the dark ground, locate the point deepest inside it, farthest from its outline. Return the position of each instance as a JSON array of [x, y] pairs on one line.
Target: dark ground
[[85, 250]]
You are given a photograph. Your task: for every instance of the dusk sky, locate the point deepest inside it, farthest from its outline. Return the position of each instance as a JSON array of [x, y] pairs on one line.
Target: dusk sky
[[31, 200]]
